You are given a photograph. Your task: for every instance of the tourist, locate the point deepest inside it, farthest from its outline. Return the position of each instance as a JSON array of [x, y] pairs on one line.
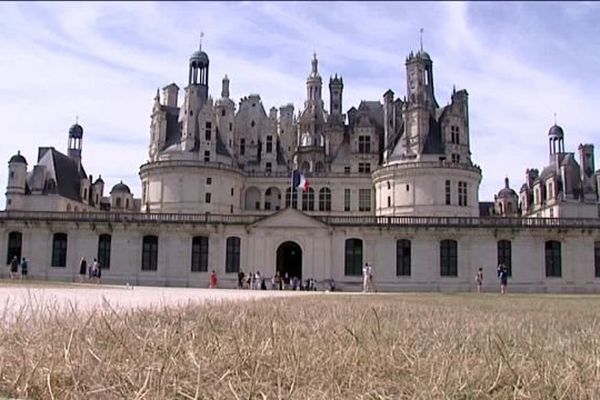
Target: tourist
[[14, 268], [503, 279], [257, 281], [367, 278], [332, 286], [82, 269], [240, 280], [295, 283], [286, 281], [98, 272], [479, 279], [249, 281], [263, 284], [24, 268], [213, 280], [93, 270]]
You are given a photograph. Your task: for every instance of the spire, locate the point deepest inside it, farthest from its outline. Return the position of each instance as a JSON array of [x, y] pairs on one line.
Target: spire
[[201, 37], [77, 119], [314, 64], [421, 39], [506, 182], [554, 118]]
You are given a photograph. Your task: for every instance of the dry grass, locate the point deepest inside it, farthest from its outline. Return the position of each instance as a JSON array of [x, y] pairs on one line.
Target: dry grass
[[425, 346]]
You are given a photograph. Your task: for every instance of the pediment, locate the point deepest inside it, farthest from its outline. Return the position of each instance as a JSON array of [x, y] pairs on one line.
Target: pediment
[[289, 218]]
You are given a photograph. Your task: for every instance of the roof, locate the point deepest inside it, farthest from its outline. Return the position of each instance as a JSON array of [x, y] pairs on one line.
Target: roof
[[64, 171], [556, 131], [433, 143], [221, 148], [76, 131], [120, 188], [18, 158]]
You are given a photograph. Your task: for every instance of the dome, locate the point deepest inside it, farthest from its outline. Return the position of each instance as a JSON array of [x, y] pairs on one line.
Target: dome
[[506, 191], [76, 131], [17, 158], [120, 188], [423, 54], [199, 57], [99, 180], [556, 131]]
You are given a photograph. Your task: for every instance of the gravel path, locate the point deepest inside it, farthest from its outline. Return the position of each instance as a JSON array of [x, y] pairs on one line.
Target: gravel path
[[23, 300]]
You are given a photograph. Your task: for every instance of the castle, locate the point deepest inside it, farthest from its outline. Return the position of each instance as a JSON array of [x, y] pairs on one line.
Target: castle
[[391, 182]]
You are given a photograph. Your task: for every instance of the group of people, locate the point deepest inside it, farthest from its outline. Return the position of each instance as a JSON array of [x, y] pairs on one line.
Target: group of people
[[93, 270], [501, 271], [13, 268], [256, 281]]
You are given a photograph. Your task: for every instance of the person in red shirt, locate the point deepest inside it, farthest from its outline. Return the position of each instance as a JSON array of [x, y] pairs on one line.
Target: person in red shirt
[[213, 280]]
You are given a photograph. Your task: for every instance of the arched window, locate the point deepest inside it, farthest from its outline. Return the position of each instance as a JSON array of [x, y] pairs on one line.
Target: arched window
[[150, 253], [59, 250], [325, 199], [305, 167], [232, 256], [353, 257], [448, 258], [553, 259], [308, 200], [403, 257], [15, 243], [104, 242], [291, 196], [597, 258], [200, 254], [505, 254], [319, 167]]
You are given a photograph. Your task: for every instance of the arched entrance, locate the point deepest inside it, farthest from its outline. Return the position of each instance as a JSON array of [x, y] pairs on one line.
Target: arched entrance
[[289, 259]]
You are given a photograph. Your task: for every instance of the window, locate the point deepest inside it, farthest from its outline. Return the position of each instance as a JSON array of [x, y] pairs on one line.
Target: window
[[207, 132], [505, 254], [118, 202], [84, 194], [462, 193], [150, 253], [403, 257], [59, 250], [553, 259], [231, 192], [448, 258], [455, 158], [104, 251], [364, 144], [15, 243], [448, 193], [206, 156], [268, 167], [242, 147], [353, 257], [223, 113], [325, 199], [232, 256], [252, 124], [308, 200], [389, 199], [207, 198], [597, 259], [127, 203], [364, 168], [346, 169], [209, 180], [294, 198], [231, 126], [364, 199], [12, 174], [200, 254], [347, 199], [454, 134], [269, 144]]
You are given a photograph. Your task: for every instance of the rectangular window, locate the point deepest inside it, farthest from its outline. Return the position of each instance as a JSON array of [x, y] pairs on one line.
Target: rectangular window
[[389, 201], [364, 144], [456, 158], [200, 254], [104, 242], [207, 198], [597, 259], [232, 255], [403, 257], [150, 253], [448, 258], [269, 144], [364, 168], [462, 193], [268, 167], [553, 259], [206, 156], [347, 199], [455, 134], [15, 241], [267, 205], [448, 193], [346, 169], [207, 132], [364, 199], [353, 257], [59, 250], [242, 147], [505, 254]]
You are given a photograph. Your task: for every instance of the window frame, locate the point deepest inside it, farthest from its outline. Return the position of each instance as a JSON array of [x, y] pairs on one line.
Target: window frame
[[199, 257], [353, 256], [403, 257], [149, 253], [449, 258]]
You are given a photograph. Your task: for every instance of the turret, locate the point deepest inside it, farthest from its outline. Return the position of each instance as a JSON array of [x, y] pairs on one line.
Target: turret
[[586, 163], [389, 121], [336, 87], [170, 95], [556, 142], [17, 181], [74, 147], [225, 88]]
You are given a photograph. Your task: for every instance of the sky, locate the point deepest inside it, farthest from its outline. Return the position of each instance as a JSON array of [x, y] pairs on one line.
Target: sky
[[521, 64]]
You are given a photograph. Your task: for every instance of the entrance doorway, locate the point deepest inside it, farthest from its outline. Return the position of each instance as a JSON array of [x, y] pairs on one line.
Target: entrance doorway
[[289, 259]]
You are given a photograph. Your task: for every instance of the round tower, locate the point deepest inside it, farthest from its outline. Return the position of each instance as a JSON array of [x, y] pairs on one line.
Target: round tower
[[17, 181], [506, 201]]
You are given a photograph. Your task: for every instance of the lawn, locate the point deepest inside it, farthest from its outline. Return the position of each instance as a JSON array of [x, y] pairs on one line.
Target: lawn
[[326, 346]]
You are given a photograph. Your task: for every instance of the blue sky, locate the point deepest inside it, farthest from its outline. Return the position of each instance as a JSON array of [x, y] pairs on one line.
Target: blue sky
[[520, 63]]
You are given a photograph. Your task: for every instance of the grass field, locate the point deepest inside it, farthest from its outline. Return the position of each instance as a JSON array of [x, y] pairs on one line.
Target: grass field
[[425, 346]]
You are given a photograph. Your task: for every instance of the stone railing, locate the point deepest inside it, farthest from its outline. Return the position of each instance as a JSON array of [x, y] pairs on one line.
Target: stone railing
[[332, 220]]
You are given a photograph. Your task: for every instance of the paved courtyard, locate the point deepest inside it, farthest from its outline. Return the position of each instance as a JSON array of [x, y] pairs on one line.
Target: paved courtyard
[[22, 300]]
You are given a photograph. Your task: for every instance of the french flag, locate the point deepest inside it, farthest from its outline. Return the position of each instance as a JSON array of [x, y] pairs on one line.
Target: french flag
[[299, 181]]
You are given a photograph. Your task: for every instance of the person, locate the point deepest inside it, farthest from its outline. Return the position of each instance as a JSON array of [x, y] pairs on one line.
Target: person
[[503, 279], [367, 278], [24, 268], [82, 269], [213, 280], [332, 286], [98, 272], [94, 270], [479, 279], [257, 281], [240, 280], [14, 267], [286, 281]]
